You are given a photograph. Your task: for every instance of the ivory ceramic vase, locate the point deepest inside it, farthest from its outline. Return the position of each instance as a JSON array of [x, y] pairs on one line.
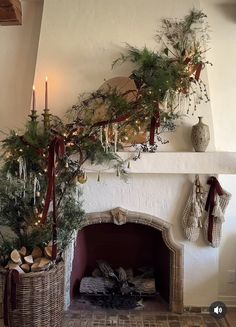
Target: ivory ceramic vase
[[200, 136]]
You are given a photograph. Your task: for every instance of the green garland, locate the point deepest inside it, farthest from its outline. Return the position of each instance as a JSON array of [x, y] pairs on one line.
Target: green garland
[[166, 81]]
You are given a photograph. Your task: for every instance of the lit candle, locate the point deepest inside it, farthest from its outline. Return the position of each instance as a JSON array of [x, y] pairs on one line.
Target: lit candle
[[33, 99], [46, 93]]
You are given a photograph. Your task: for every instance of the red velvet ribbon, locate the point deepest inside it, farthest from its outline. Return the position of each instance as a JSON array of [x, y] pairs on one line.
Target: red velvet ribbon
[[155, 122], [198, 71], [215, 188], [12, 279], [56, 150]]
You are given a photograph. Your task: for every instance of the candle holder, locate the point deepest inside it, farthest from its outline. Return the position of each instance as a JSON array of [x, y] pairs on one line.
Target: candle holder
[[46, 119], [33, 116]]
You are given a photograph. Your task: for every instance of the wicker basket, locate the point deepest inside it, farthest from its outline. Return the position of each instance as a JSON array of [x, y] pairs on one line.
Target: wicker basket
[[39, 299]]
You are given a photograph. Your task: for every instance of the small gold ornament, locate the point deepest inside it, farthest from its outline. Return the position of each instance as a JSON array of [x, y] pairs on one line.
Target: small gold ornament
[[82, 178]]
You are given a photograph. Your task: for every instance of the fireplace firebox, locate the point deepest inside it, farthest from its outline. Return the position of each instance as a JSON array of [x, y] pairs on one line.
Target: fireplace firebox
[[130, 240]]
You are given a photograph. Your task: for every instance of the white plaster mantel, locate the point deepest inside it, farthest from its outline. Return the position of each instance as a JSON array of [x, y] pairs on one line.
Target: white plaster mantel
[[178, 163]]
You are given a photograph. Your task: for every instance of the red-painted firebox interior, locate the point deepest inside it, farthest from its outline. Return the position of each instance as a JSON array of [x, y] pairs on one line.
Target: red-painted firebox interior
[[129, 246]]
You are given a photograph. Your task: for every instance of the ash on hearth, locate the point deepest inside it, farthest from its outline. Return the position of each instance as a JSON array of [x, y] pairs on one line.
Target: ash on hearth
[[115, 301], [118, 288]]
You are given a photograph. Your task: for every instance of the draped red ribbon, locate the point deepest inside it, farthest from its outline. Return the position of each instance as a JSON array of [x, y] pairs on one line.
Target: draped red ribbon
[[56, 150], [155, 122], [198, 68], [215, 188], [12, 279], [198, 71]]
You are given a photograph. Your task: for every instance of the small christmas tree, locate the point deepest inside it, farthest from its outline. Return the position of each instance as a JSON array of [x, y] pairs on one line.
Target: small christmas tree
[[23, 188]]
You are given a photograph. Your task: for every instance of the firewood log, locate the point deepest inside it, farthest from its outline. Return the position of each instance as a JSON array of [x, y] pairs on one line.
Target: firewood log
[[25, 267], [11, 265], [37, 260], [15, 257], [122, 277], [43, 264], [48, 252], [23, 251], [37, 253], [35, 267], [29, 259]]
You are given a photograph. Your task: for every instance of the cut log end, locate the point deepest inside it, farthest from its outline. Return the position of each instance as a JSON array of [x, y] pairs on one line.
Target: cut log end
[[25, 267], [23, 251], [48, 252], [15, 257], [29, 260]]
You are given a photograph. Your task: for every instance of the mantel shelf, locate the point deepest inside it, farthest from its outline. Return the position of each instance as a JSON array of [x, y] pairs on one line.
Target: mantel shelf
[[178, 163]]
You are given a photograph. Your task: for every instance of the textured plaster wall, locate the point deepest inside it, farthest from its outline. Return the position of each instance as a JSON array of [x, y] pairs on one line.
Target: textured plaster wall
[[222, 82], [19, 45]]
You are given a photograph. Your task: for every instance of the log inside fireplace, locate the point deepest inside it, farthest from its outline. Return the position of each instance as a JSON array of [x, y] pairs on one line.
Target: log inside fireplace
[[118, 288]]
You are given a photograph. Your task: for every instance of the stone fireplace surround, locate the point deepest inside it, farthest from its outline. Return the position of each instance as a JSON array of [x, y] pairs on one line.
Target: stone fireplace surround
[[121, 216]]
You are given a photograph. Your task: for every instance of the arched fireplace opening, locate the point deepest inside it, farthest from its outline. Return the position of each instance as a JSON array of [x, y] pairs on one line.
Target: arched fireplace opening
[[136, 242]]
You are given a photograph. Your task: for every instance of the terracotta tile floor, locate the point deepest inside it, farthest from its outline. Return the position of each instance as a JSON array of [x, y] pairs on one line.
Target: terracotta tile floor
[[138, 319], [231, 317]]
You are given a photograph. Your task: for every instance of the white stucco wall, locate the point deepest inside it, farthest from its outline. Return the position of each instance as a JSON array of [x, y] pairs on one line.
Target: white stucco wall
[[80, 39], [222, 82], [222, 77], [19, 45]]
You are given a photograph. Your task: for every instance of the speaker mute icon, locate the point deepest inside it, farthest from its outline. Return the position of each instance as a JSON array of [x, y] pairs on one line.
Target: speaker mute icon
[[218, 310]]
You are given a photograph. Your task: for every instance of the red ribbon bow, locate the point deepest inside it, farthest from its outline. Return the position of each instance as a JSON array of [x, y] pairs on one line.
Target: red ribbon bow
[[56, 150], [215, 188]]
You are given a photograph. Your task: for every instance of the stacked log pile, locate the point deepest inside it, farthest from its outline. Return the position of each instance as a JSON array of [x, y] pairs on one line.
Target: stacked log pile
[[24, 262]]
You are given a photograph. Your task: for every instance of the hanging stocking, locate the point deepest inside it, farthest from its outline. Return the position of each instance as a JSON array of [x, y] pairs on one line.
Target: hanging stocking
[[193, 212], [217, 201]]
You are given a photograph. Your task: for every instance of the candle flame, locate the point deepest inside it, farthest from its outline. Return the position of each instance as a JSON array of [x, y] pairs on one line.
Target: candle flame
[[33, 87], [46, 78]]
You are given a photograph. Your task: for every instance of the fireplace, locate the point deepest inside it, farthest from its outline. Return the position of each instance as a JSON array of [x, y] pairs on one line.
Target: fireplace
[[130, 239]]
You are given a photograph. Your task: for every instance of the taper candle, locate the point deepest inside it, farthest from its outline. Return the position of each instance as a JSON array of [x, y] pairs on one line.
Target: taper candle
[[33, 99], [46, 93]]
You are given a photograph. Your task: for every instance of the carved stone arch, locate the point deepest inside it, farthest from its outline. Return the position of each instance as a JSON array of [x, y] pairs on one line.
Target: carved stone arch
[[121, 216]]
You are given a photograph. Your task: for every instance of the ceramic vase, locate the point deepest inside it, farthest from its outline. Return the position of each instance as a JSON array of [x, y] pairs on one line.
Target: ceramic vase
[[200, 136]]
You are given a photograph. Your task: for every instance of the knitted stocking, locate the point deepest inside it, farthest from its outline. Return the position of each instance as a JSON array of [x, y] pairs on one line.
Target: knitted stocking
[[193, 212], [221, 203]]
